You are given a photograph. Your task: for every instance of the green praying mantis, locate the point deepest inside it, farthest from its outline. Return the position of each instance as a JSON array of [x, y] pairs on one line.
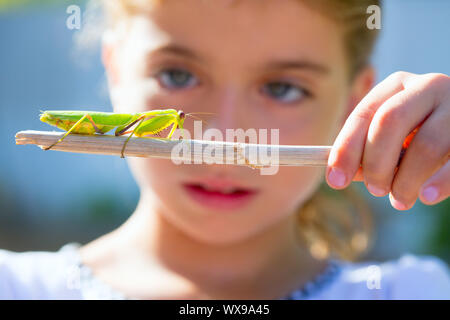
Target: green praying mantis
[[90, 122]]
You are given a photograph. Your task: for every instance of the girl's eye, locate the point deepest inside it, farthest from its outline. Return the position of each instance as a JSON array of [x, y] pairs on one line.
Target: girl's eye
[[177, 79], [284, 91]]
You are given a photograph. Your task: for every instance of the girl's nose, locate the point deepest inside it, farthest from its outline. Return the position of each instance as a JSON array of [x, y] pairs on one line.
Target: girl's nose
[[228, 109]]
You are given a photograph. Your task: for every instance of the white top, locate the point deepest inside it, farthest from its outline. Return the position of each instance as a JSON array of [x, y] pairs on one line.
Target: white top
[[61, 275]]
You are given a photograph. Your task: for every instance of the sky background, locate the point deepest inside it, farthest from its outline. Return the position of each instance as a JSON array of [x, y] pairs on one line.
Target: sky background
[[50, 198]]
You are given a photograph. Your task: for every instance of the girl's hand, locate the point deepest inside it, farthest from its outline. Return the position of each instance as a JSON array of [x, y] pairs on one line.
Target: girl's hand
[[374, 133]]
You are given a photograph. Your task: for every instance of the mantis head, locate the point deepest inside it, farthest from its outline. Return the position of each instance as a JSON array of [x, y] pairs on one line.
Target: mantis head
[[181, 117]]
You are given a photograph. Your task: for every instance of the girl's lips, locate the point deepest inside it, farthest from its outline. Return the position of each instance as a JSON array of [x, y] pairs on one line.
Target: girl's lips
[[219, 195]]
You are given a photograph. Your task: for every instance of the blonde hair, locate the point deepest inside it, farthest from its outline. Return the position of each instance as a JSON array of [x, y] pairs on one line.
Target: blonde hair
[[333, 223]]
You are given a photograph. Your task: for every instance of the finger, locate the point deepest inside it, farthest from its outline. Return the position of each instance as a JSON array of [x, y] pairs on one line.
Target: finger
[[391, 124], [437, 188], [359, 175], [346, 153], [428, 152]]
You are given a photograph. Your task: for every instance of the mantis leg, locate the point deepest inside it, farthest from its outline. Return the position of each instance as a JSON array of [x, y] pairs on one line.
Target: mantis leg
[[93, 124], [122, 132], [174, 127], [68, 132]]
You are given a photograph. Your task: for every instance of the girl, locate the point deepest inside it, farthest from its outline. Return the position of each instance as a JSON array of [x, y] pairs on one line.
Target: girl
[[227, 232]]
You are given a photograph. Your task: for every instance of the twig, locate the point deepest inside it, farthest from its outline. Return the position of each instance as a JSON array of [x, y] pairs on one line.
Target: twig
[[195, 151]]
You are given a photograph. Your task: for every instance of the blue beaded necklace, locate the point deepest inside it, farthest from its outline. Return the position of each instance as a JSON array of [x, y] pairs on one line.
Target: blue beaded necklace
[[318, 283]]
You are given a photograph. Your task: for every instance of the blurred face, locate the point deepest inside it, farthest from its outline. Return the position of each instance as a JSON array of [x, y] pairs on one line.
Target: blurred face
[[253, 65]]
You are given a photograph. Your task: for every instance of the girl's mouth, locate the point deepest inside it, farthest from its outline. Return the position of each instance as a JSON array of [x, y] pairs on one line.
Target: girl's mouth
[[219, 195]]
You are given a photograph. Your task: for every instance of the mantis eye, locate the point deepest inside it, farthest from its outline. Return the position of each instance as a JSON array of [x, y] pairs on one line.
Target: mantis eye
[[181, 114]]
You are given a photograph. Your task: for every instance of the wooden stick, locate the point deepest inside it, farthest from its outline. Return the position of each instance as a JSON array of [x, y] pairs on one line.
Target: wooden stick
[[195, 151]]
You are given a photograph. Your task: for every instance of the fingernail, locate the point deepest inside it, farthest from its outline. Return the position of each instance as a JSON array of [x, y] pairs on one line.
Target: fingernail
[[430, 193], [375, 190], [397, 204], [336, 177]]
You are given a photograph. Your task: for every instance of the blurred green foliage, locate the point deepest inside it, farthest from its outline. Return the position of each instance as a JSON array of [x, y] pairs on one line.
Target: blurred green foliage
[[440, 240], [103, 206], [10, 205]]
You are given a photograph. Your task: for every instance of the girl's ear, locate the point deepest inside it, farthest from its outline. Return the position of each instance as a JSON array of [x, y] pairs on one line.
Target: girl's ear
[[109, 62], [361, 86]]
